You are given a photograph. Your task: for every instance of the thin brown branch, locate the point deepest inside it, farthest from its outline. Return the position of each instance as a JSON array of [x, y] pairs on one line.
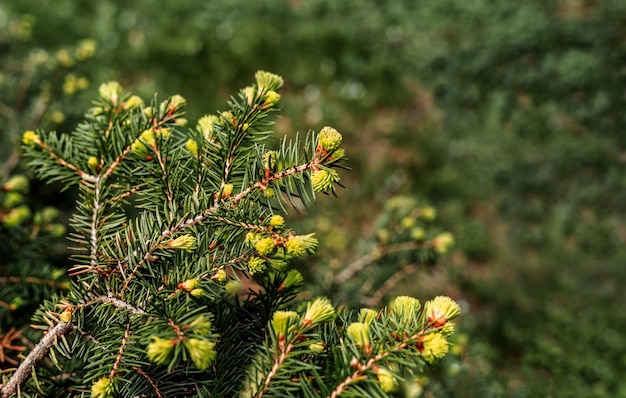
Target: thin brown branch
[[28, 279], [118, 359], [158, 392], [36, 355], [366, 260]]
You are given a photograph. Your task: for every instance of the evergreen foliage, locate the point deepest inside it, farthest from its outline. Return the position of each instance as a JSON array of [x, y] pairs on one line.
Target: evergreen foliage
[[180, 279]]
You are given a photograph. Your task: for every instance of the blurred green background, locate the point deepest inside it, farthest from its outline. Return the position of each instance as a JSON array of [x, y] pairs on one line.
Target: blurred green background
[[508, 117]]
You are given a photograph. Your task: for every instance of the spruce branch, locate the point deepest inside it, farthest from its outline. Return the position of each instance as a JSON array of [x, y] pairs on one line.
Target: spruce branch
[[34, 357]]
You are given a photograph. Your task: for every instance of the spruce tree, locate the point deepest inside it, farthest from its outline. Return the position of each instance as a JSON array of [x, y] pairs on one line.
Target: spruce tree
[[181, 283]]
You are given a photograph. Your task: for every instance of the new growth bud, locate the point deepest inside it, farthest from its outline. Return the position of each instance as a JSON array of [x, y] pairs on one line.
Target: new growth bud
[[323, 180], [277, 221], [367, 315], [103, 388], [405, 308], [160, 349], [29, 138], [256, 265], [282, 320], [299, 245], [268, 81], [318, 311], [443, 242], [329, 139], [386, 380], [359, 334], [110, 91], [434, 347], [202, 352], [184, 242], [440, 310], [16, 183]]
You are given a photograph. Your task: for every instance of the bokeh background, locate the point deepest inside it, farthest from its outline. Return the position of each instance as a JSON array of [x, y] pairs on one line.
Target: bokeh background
[[507, 117]]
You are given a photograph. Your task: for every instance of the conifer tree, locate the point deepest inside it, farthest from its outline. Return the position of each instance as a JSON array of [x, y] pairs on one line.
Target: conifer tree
[[181, 283]]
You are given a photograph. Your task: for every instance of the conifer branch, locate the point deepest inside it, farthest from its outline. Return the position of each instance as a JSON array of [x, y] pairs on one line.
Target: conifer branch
[[33, 358], [85, 176]]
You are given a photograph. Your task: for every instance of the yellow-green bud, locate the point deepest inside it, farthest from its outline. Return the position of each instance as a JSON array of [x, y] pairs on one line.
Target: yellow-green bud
[[16, 303], [323, 180], [407, 222], [228, 117], [270, 193], [318, 311], [188, 285], [139, 149], [317, 347], [147, 137], [49, 214], [197, 292], [282, 321], [329, 139], [82, 83], [172, 104], [405, 308], [57, 117], [201, 325], [103, 388], [367, 315], [417, 233], [268, 81], [359, 334], [256, 265], [110, 91], [69, 85], [29, 138], [337, 154], [435, 347], [227, 190], [443, 242], [93, 162], [252, 238], [386, 380], [149, 111], [264, 246], [86, 49], [192, 146], [249, 93], [440, 310], [66, 315], [16, 183], [16, 216], [202, 352], [180, 121], [448, 329], [184, 242], [270, 160], [428, 213], [293, 278], [56, 230], [12, 199], [134, 101], [160, 349], [271, 98], [221, 276], [277, 221], [64, 58], [205, 126], [299, 245]]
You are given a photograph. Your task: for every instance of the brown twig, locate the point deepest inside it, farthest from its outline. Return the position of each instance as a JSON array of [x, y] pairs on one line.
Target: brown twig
[[35, 356]]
